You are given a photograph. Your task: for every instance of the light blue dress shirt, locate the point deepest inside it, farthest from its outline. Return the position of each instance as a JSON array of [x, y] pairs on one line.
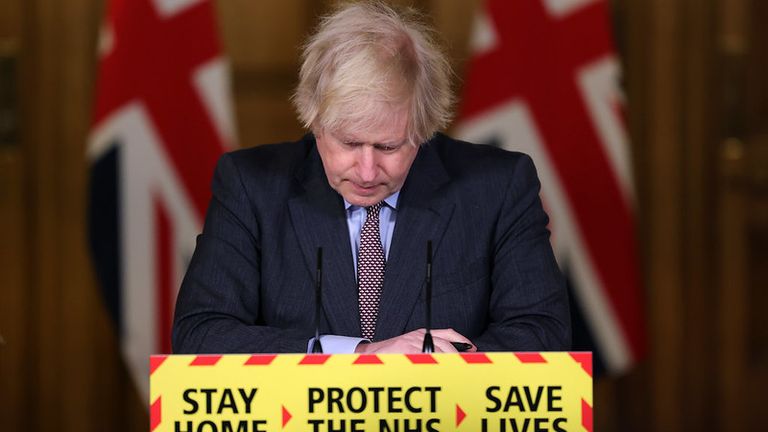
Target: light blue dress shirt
[[356, 216]]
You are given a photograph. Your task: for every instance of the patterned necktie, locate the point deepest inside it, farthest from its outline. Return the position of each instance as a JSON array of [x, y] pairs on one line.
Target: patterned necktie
[[370, 271]]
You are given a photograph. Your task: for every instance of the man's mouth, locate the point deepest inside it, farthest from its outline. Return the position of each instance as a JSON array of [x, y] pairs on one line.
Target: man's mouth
[[364, 188]]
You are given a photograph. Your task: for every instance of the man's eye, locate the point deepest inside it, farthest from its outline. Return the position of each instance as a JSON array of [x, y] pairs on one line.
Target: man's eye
[[386, 148], [352, 143]]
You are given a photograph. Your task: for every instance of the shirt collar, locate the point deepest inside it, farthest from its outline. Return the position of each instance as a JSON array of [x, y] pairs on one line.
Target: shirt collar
[[391, 201]]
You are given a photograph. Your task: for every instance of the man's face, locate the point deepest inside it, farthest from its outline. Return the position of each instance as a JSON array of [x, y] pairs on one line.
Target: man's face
[[367, 166]]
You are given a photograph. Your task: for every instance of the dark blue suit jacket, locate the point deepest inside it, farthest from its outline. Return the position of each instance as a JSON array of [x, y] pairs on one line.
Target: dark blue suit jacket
[[250, 288]]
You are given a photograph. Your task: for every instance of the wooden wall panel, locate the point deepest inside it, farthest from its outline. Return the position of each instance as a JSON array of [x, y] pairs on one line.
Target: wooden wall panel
[[15, 345], [699, 151], [74, 374], [453, 19], [14, 301], [262, 41], [267, 119], [663, 247], [261, 35], [743, 212], [39, 88], [79, 295], [684, 95]]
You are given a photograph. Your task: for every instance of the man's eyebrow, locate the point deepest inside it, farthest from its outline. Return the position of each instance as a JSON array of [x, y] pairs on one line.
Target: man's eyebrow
[[393, 142], [389, 143], [350, 138]]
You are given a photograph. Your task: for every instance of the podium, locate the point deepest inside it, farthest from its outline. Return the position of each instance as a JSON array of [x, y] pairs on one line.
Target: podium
[[486, 392]]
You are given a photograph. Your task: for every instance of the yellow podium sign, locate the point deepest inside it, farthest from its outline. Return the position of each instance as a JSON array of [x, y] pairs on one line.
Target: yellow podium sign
[[487, 392]]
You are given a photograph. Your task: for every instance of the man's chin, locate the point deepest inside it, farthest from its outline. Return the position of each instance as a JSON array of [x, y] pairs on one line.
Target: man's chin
[[362, 200]]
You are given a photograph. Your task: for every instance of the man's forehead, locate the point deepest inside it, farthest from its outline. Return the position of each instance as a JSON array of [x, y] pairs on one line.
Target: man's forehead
[[387, 129], [368, 121], [378, 136]]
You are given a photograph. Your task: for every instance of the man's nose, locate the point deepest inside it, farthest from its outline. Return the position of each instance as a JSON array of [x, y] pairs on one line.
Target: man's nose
[[367, 163]]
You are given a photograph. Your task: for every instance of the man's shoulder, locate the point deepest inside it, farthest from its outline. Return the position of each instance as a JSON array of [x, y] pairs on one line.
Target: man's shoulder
[[277, 158], [271, 155], [461, 156]]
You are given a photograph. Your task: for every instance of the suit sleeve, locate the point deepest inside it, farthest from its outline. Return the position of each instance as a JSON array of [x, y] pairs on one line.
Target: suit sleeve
[[218, 306], [529, 308]]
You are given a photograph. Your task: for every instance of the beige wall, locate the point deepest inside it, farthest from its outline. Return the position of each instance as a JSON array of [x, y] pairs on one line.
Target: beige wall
[[698, 120]]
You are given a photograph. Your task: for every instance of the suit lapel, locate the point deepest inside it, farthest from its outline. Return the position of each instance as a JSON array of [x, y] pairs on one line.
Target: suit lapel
[[317, 214], [422, 214]]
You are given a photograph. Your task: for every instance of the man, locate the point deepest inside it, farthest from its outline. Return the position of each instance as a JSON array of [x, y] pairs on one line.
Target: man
[[371, 185]]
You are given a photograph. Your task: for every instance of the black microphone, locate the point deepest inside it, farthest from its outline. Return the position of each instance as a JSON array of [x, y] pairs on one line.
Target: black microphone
[[317, 347], [429, 346]]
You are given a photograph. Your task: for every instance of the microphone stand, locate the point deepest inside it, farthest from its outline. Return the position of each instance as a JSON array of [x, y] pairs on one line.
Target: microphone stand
[[428, 346], [317, 347]]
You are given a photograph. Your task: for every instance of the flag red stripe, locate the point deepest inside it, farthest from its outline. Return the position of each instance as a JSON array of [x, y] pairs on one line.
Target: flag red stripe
[[537, 60], [164, 277], [601, 211], [152, 62], [529, 44]]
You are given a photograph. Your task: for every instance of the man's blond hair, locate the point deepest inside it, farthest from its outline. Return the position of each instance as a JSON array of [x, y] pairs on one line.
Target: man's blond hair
[[367, 59]]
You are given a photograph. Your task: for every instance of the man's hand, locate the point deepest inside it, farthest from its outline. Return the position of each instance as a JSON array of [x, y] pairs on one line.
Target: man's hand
[[412, 342]]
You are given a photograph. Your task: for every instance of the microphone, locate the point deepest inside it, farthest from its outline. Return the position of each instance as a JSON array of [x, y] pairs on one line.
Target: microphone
[[317, 347], [428, 346]]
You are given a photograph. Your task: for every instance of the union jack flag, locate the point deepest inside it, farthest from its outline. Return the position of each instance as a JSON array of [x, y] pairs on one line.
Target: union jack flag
[[544, 80], [162, 118]]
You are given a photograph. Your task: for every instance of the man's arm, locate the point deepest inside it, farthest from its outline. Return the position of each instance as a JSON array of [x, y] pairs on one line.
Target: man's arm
[[217, 310], [528, 308], [413, 342]]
